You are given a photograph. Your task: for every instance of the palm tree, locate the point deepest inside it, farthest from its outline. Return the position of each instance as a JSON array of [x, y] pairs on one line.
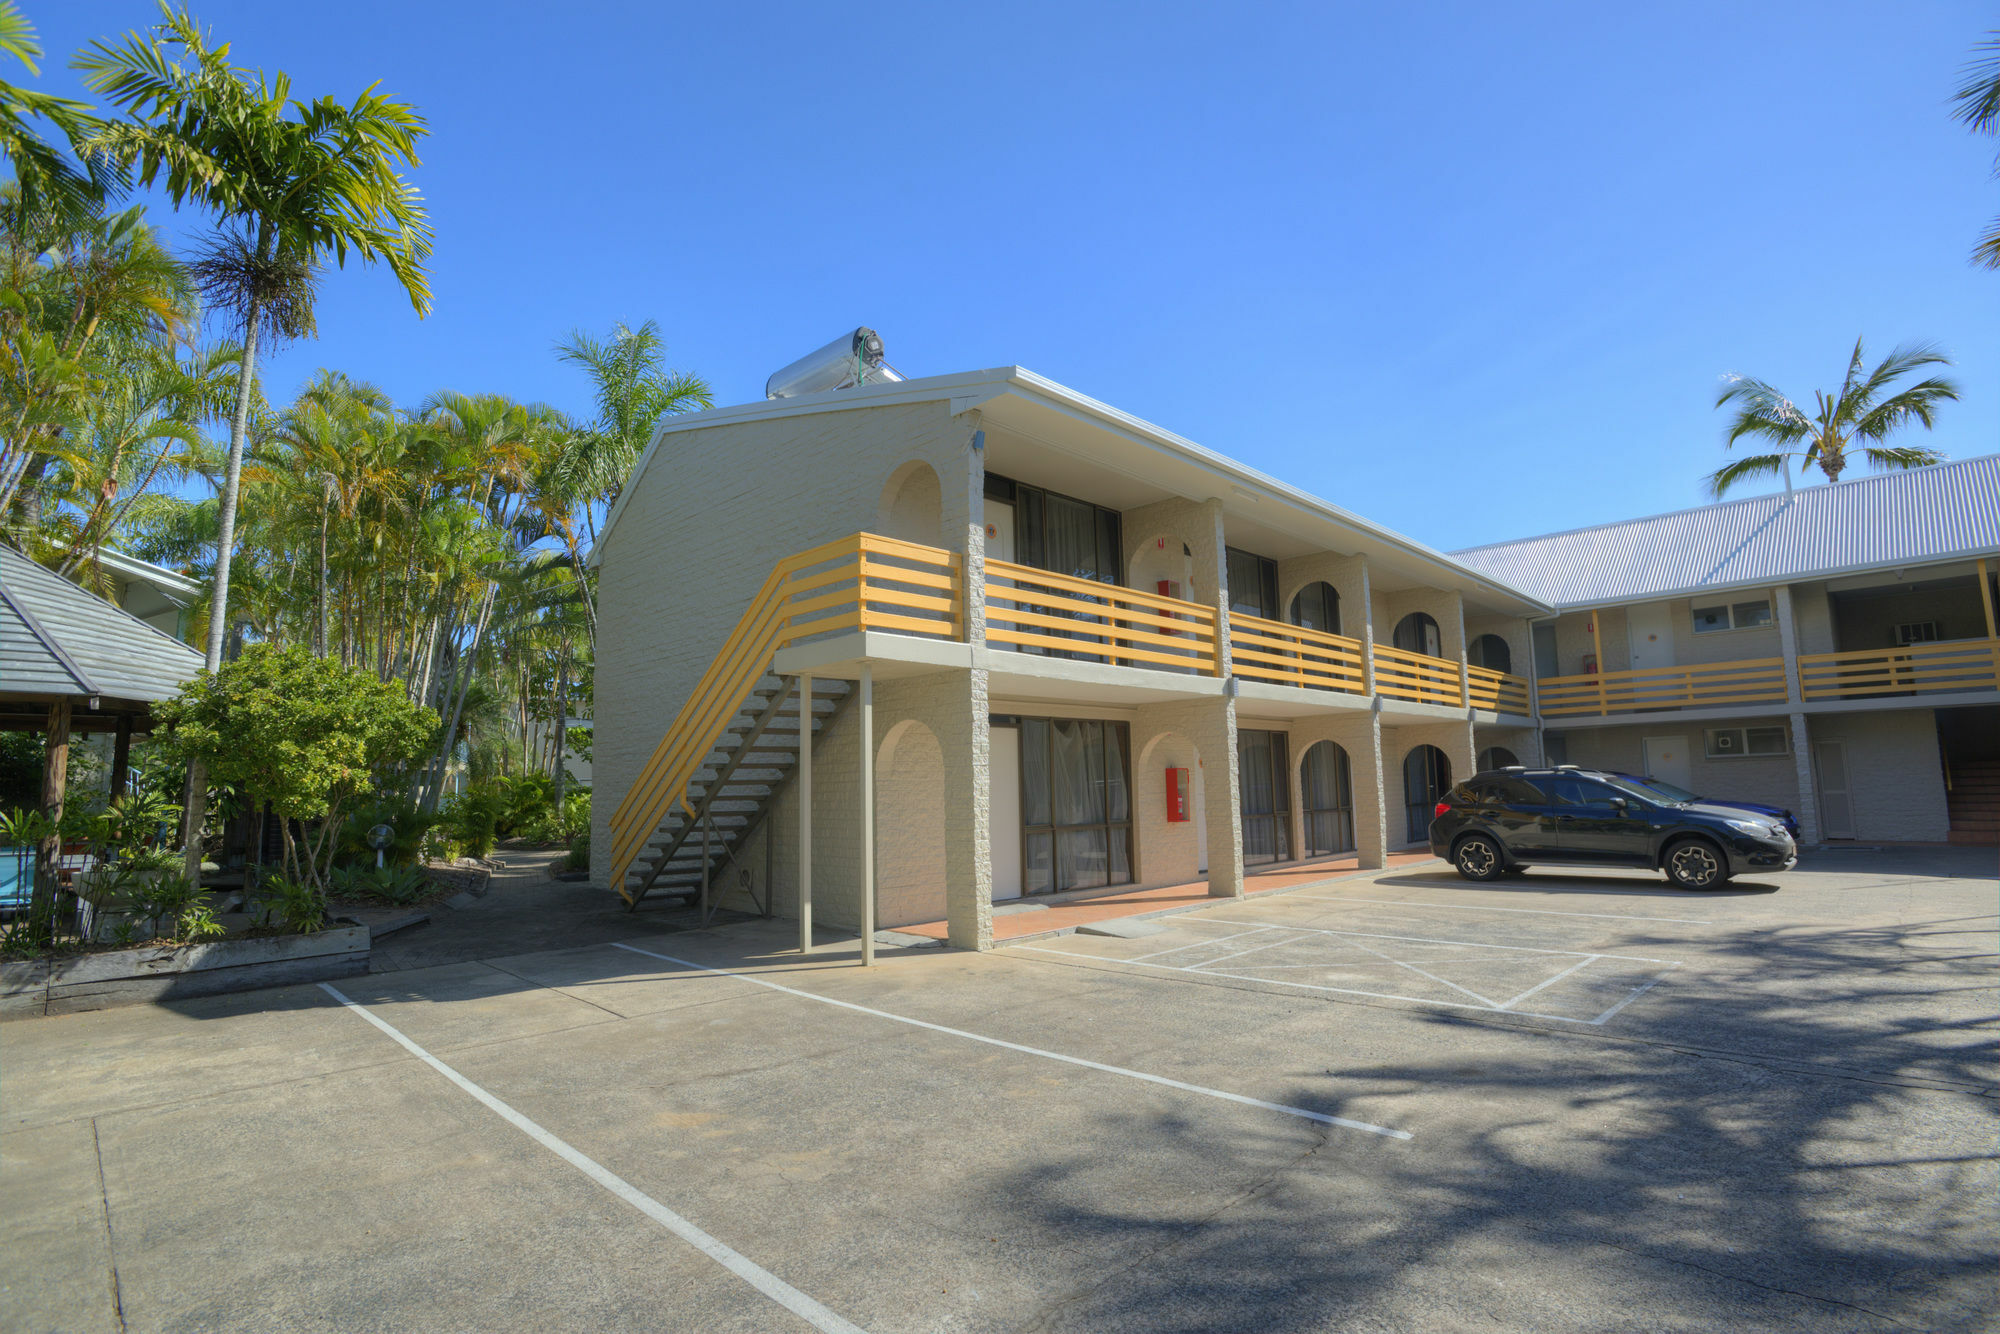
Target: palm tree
[[1978, 101], [634, 389], [292, 182], [1856, 418], [48, 180]]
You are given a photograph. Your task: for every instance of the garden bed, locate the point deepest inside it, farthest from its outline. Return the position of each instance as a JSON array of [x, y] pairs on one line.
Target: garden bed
[[104, 978]]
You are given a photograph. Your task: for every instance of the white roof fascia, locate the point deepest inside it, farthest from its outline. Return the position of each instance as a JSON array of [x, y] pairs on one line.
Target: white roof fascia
[[169, 582], [971, 389]]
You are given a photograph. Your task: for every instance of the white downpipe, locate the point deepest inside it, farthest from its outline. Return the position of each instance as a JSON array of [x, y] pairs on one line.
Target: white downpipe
[[805, 813], [867, 721]]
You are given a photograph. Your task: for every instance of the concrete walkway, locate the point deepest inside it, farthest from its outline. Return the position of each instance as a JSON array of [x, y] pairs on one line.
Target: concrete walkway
[[525, 909], [1026, 919]]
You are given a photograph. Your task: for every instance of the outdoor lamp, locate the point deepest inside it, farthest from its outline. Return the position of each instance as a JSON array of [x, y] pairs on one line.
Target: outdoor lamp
[[380, 837]]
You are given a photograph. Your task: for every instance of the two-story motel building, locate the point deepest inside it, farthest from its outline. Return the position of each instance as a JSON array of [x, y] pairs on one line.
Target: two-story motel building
[[1089, 655]]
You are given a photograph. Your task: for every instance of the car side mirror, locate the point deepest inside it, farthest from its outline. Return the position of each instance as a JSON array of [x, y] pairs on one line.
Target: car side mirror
[[1619, 804]]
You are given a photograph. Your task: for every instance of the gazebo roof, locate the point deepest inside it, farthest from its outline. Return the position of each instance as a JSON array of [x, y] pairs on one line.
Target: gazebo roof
[[57, 639]]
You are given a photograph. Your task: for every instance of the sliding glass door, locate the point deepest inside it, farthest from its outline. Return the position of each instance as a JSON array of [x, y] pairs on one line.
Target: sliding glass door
[[1076, 805], [1265, 776]]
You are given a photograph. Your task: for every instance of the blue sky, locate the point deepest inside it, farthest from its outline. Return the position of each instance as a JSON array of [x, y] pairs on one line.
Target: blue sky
[[1473, 271]]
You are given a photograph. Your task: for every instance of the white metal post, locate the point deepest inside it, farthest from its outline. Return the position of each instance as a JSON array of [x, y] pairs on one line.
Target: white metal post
[[867, 721], [805, 791]]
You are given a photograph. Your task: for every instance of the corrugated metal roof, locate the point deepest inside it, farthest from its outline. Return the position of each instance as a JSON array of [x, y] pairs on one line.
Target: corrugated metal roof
[[57, 638], [1947, 512]]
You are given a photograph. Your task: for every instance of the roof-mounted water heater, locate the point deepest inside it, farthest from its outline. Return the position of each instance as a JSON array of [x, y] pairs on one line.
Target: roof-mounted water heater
[[849, 360]]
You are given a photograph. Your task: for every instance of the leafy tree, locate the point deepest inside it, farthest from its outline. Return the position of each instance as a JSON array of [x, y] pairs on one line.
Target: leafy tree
[[302, 733], [1978, 100], [49, 181], [1855, 418], [293, 183]]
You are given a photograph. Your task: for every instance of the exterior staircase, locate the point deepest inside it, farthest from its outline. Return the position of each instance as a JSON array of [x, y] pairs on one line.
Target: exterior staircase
[[1974, 802], [734, 791]]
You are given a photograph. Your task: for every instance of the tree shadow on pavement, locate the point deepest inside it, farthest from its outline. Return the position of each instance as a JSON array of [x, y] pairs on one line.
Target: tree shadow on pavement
[[1824, 1160]]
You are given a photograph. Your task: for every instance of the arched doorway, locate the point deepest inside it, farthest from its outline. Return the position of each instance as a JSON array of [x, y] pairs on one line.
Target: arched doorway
[[1418, 633], [1317, 607], [1490, 652], [1426, 778], [1326, 793], [1496, 757]]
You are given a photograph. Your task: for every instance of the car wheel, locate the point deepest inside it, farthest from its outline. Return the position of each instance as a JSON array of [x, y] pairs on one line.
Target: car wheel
[[1696, 863], [1477, 858]]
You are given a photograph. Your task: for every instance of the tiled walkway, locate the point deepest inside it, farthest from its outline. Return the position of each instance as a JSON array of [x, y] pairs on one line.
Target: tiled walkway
[[1019, 918]]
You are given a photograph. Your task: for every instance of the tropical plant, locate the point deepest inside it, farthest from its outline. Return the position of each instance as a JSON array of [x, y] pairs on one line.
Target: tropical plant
[[302, 735], [292, 184], [1978, 99], [393, 885], [49, 180], [290, 906], [1858, 418]]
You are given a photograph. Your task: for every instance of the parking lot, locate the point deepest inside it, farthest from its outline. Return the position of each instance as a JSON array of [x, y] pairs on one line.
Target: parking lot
[[1387, 1102]]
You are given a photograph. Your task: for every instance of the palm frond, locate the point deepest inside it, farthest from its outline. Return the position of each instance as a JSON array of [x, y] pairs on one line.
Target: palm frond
[[1719, 482]]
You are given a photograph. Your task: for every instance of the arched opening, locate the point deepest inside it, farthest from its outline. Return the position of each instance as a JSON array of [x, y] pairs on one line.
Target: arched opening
[[1169, 849], [912, 505], [909, 865], [1426, 778], [1317, 607], [1418, 633], [1490, 652], [1496, 757], [1326, 794]]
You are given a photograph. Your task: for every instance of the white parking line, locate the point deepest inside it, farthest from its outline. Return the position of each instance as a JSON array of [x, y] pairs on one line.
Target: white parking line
[[1301, 1112], [758, 1277], [1468, 944], [1485, 1006], [1481, 907], [1580, 963], [1216, 941]]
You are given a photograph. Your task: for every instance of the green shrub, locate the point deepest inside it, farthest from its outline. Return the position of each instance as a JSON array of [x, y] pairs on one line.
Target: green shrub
[[291, 906], [410, 821], [471, 819], [579, 853]]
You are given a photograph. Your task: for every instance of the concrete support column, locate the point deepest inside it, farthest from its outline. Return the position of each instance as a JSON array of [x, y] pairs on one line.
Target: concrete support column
[[1210, 726], [1788, 640], [803, 795], [966, 740], [866, 733], [975, 537], [1808, 812]]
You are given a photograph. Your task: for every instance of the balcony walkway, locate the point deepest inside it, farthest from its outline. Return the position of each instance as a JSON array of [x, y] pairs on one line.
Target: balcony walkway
[[1030, 919]]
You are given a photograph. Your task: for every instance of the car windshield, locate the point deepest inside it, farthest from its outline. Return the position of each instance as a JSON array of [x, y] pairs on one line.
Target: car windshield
[[1671, 791], [1646, 791]]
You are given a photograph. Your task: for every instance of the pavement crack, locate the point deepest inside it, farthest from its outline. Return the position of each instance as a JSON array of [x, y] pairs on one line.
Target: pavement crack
[[110, 1249]]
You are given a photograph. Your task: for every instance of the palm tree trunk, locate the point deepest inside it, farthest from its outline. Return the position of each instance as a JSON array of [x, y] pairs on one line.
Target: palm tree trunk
[[218, 610]]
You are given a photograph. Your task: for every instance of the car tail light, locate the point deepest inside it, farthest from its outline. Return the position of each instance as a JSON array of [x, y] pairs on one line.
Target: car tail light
[[1442, 807]]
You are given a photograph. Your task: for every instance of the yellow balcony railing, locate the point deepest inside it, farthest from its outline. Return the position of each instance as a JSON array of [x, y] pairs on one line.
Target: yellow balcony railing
[[1041, 611], [1502, 692], [1417, 677], [1697, 685], [863, 582], [1291, 655], [1966, 664]]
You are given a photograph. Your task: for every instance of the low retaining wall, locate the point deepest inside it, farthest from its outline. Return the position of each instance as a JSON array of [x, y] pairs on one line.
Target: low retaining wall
[[177, 972]]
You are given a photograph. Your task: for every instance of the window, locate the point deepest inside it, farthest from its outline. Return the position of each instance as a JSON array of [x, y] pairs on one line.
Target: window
[[1326, 792], [1264, 773], [1418, 633], [1253, 583], [1732, 616], [1490, 652], [1917, 632], [1496, 757], [1505, 790], [1076, 805], [1316, 607], [1577, 792], [1726, 743]]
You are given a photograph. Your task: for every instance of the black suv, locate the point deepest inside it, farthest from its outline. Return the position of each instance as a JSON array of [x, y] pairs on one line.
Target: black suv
[[1500, 822]]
